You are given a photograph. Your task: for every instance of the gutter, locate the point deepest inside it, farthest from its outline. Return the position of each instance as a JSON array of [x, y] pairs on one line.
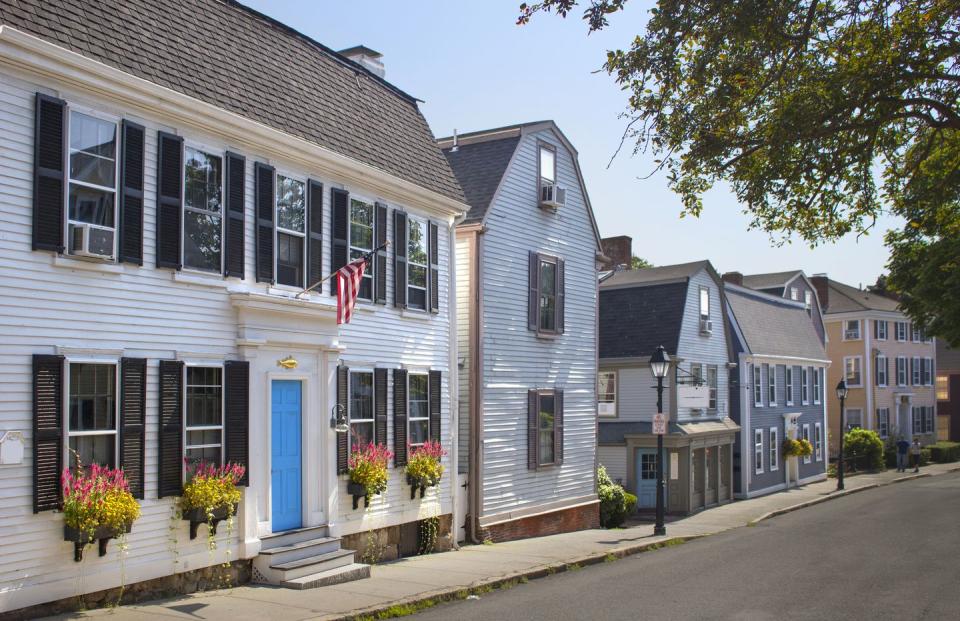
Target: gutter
[[453, 382], [474, 469]]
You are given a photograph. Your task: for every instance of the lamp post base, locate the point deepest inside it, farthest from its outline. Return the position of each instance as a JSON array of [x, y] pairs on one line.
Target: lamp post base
[[659, 531]]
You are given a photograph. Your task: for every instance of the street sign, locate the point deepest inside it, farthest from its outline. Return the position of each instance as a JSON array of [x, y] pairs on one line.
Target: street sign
[[660, 424], [693, 396]]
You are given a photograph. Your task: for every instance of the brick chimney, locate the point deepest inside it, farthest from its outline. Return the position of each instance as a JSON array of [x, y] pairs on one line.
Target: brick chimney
[[735, 278], [821, 284], [619, 251]]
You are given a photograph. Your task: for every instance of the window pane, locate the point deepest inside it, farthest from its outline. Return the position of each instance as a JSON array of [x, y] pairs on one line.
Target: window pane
[[547, 161], [418, 431], [204, 436], [93, 450], [92, 150], [418, 276], [361, 225], [211, 455], [361, 434], [704, 302], [418, 387], [361, 396], [202, 183], [91, 206], [546, 427], [547, 313], [291, 205], [201, 240], [92, 169], [546, 447], [417, 242], [607, 387], [417, 298], [92, 402], [548, 278], [289, 260], [366, 284], [204, 398]]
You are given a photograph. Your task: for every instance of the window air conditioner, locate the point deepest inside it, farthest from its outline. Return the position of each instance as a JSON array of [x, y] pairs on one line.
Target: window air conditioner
[[91, 241], [706, 326], [552, 196]]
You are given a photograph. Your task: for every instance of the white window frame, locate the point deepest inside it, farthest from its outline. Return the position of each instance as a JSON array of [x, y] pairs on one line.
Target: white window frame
[[788, 384], [859, 368], [67, 434], [882, 329], [222, 426], [900, 331], [704, 302], [808, 299], [916, 419], [883, 422], [423, 222], [916, 377], [118, 148], [601, 399], [903, 371], [277, 230], [220, 153], [549, 392], [774, 449], [757, 385], [916, 335], [818, 441], [927, 371], [367, 274], [817, 385], [547, 259], [929, 420], [758, 451], [806, 436], [713, 392], [845, 326], [541, 147], [410, 417], [794, 294], [373, 406], [847, 414], [805, 385], [881, 362], [772, 384]]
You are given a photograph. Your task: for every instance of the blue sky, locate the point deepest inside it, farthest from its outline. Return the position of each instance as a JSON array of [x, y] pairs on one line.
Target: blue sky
[[475, 69]]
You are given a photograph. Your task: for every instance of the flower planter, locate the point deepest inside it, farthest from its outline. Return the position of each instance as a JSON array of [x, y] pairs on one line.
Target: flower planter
[[418, 484], [81, 538], [199, 516], [358, 491]]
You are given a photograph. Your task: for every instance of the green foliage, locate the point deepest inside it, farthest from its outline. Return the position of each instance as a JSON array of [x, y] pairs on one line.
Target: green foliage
[[944, 452], [637, 263], [615, 504], [798, 105], [863, 448], [427, 531]]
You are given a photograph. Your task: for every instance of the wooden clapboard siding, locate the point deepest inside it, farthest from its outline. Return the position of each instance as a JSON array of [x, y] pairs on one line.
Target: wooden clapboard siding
[[465, 257], [635, 400], [614, 458], [514, 359]]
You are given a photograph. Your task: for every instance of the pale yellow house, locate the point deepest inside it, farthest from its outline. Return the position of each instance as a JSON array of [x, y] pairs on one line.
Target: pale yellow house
[[888, 365]]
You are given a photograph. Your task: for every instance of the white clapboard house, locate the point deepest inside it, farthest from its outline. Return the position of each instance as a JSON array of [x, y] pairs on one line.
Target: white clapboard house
[[527, 257], [172, 174]]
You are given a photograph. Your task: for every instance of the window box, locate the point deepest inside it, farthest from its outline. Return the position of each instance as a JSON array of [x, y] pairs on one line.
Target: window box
[[102, 535], [358, 491], [199, 516], [418, 484]]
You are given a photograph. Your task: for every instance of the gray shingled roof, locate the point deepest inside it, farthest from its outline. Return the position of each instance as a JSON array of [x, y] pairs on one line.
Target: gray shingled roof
[[239, 60], [654, 275], [479, 167], [615, 432], [634, 321], [844, 298], [768, 281], [773, 326]]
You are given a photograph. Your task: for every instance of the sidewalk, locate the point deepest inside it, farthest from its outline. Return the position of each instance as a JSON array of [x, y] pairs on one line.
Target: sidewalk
[[456, 574]]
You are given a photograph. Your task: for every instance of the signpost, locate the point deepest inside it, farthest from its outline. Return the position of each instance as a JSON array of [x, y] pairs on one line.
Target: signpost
[[660, 424]]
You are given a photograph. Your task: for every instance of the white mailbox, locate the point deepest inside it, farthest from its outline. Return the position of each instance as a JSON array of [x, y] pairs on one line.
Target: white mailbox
[[11, 448]]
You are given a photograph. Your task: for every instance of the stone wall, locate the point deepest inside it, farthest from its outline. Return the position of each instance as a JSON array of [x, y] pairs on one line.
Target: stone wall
[[393, 542], [554, 523]]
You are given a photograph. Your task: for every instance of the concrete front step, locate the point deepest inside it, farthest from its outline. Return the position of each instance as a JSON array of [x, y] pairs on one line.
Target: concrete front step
[[290, 537], [347, 573], [278, 573], [301, 549]]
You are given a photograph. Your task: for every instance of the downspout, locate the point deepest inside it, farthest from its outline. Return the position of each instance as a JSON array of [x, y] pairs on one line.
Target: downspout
[[454, 378], [474, 469]]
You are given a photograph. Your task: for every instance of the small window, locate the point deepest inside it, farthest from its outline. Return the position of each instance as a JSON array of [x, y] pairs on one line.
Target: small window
[[901, 371], [901, 330], [854, 418], [852, 371], [361, 241], [816, 386], [881, 362], [818, 441], [92, 414], [917, 334], [943, 388], [883, 422], [757, 386], [808, 300], [203, 428], [704, 303], [361, 408], [772, 384], [548, 165], [774, 449], [92, 182], [758, 451], [851, 330], [202, 210], [712, 387], [418, 417], [928, 419], [806, 436], [648, 467], [928, 371], [417, 263], [546, 429], [917, 372], [607, 393], [548, 294], [917, 415], [291, 231], [881, 330], [788, 383], [804, 386], [794, 294]]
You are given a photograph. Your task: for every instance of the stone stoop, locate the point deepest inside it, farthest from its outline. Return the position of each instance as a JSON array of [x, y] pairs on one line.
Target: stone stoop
[[305, 558]]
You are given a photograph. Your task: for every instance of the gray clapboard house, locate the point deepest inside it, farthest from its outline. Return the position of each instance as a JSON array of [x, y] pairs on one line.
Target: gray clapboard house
[[778, 392], [680, 307], [792, 285], [527, 261]]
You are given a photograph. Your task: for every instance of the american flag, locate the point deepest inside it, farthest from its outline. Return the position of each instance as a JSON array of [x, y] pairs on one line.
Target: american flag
[[348, 286]]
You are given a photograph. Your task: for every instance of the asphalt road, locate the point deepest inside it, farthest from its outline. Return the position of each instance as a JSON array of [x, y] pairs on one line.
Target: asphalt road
[[888, 553]]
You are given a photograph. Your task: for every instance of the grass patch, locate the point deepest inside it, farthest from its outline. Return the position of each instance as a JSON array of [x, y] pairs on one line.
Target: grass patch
[[610, 557], [401, 610], [574, 567]]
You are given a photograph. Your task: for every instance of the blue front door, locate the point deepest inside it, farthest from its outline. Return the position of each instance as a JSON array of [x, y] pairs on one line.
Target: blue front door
[[646, 473], [285, 455]]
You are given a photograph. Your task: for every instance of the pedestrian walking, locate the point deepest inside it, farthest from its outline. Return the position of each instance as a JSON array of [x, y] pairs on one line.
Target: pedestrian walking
[[915, 451], [903, 447]]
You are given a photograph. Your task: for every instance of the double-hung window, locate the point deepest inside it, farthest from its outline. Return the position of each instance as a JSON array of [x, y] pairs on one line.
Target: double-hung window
[[549, 276], [417, 263], [291, 231], [816, 385], [901, 371], [928, 371], [928, 419], [774, 449], [360, 409], [712, 387], [851, 330], [546, 428], [852, 366], [794, 294], [808, 301], [418, 411], [772, 384], [804, 386], [547, 162], [943, 387], [92, 186], [916, 334], [854, 418], [202, 210], [917, 372], [788, 384], [880, 330], [361, 241], [883, 422], [203, 428], [917, 413], [757, 386], [881, 362], [704, 303], [900, 327], [818, 441], [607, 393], [758, 451], [806, 436], [92, 414]]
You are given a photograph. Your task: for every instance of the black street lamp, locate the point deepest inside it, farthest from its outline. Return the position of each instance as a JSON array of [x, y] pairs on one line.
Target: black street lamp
[[659, 364], [842, 396]]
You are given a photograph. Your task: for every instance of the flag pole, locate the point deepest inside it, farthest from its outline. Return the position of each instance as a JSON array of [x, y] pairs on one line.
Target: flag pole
[[365, 257]]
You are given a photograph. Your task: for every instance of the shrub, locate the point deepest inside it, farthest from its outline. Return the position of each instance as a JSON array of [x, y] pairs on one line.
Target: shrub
[[368, 467], [424, 464], [863, 448], [210, 487], [944, 452], [97, 496], [790, 447], [615, 504], [806, 448]]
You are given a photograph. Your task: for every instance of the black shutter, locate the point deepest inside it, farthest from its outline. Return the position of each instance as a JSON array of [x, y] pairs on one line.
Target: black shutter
[[234, 247], [314, 232], [399, 259], [876, 369], [886, 372], [343, 379], [47, 431], [434, 272], [264, 199], [170, 458], [340, 214], [533, 404], [131, 197], [236, 415], [433, 399], [561, 295], [533, 299], [169, 199], [49, 174], [133, 420], [380, 406], [380, 262], [558, 426], [400, 417]]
